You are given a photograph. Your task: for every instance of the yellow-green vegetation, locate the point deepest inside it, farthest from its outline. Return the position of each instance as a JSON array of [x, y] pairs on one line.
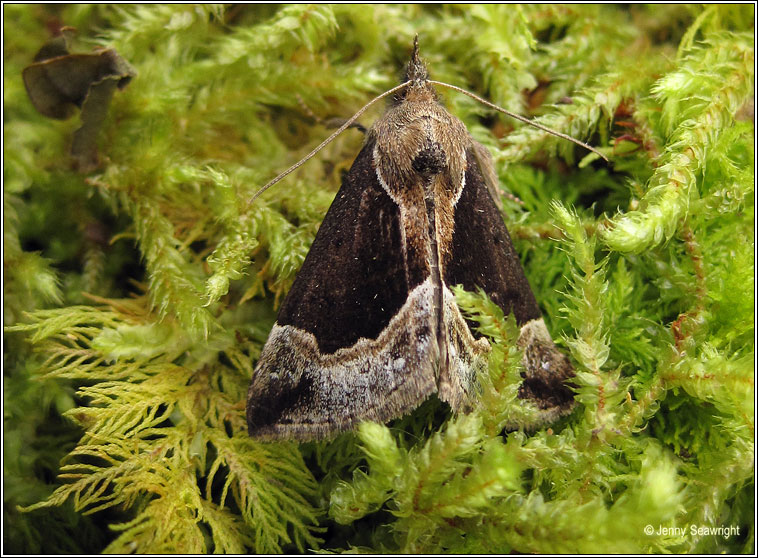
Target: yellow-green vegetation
[[137, 296]]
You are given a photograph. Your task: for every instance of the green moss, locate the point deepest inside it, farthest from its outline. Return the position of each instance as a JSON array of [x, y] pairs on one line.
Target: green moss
[[137, 298]]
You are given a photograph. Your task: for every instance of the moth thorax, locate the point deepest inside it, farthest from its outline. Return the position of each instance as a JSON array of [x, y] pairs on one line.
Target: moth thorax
[[430, 159]]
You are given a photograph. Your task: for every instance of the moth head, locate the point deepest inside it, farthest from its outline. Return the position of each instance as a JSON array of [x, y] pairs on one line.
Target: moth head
[[417, 75], [416, 71]]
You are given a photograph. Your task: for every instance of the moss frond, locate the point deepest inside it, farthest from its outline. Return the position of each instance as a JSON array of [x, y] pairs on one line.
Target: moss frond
[[157, 421], [698, 100]]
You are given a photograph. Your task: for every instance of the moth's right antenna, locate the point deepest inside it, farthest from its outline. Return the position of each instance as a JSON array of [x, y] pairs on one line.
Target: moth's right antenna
[[521, 118]]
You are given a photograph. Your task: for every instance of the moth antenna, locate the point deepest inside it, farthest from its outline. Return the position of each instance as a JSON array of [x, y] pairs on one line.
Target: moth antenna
[[521, 118], [328, 140]]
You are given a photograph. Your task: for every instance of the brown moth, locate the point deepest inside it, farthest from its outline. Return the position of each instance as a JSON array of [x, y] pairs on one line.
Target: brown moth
[[370, 327]]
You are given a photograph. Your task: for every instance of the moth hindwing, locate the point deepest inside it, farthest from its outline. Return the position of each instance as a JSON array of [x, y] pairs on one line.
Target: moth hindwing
[[370, 328]]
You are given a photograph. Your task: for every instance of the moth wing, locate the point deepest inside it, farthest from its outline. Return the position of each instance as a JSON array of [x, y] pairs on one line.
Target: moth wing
[[483, 257], [354, 337], [483, 159]]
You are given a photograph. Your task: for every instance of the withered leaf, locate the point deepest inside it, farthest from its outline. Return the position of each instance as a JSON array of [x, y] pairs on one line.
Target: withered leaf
[[59, 82]]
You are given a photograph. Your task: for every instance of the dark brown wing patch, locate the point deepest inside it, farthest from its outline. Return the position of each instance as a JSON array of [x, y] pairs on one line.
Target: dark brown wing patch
[[358, 273], [483, 255]]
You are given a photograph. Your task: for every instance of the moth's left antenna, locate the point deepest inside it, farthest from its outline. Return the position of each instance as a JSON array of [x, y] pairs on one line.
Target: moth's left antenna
[[327, 140]]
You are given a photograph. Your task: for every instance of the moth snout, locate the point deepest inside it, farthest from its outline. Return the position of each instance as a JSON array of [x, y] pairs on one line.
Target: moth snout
[[430, 160]]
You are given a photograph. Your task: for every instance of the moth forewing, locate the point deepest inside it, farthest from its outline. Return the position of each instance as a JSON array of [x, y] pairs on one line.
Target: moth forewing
[[484, 162]]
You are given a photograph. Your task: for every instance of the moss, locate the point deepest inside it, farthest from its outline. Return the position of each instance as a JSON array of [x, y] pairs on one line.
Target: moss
[[137, 297]]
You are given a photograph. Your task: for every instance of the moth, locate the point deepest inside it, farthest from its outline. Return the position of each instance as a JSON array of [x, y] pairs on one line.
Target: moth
[[370, 328]]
